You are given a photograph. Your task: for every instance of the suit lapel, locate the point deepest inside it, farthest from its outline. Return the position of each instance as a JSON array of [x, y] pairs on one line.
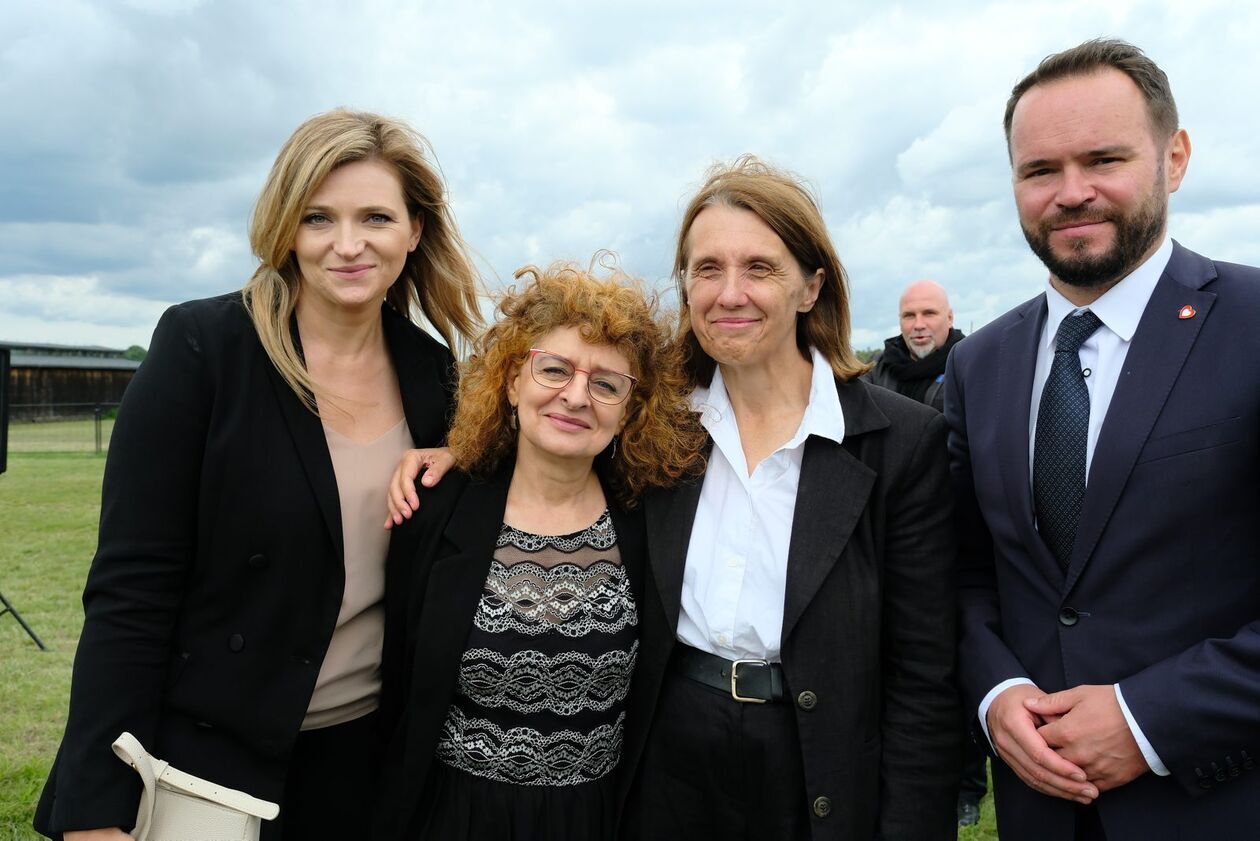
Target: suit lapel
[[448, 602], [831, 495], [670, 515], [477, 517], [455, 583], [1017, 362], [630, 543], [423, 388], [833, 491], [307, 432], [424, 400], [1160, 347]]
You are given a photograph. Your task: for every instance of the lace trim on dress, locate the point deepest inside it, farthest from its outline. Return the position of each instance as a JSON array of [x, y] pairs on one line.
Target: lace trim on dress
[[524, 756], [530, 681], [531, 599], [599, 535]]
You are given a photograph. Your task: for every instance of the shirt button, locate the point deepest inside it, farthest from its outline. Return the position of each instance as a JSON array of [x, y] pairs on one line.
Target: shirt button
[[721, 638], [236, 642], [735, 562]]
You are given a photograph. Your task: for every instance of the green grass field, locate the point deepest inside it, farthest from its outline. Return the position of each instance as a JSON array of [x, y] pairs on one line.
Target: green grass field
[[64, 436], [49, 504]]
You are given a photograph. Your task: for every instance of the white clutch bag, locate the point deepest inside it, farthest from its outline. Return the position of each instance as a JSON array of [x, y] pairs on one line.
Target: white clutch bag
[[176, 806]]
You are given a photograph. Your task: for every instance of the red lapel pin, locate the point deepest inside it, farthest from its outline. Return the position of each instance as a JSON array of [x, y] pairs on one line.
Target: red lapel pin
[[1185, 312]]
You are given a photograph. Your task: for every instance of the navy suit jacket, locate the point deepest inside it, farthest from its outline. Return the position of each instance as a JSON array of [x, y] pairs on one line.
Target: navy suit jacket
[[1162, 593]]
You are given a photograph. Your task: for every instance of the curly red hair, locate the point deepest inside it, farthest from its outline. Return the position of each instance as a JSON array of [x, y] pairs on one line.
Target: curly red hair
[[662, 441]]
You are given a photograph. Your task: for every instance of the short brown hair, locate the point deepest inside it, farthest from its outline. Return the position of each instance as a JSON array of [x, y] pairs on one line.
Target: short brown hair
[[662, 440], [1097, 55], [786, 205]]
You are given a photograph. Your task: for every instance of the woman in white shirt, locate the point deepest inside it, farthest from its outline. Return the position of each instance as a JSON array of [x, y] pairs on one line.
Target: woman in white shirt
[[795, 673], [795, 677]]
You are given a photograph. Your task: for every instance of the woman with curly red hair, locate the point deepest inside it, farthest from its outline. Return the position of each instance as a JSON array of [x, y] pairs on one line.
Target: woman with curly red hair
[[513, 649]]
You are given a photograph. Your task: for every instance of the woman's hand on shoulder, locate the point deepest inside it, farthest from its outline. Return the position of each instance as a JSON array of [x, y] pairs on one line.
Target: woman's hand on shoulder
[[113, 834], [402, 497]]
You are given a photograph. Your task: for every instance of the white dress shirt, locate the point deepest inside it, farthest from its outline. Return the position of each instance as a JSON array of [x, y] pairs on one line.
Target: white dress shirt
[[735, 579], [1102, 355]]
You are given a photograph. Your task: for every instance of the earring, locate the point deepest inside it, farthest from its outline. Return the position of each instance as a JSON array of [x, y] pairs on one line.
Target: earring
[[512, 419], [614, 450]]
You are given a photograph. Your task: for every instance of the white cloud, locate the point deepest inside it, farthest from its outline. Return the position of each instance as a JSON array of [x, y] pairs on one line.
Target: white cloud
[[73, 310], [1223, 233], [135, 135], [954, 162]]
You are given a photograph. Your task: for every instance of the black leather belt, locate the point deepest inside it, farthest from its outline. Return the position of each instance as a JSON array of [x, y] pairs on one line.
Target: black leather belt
[[748, 681]]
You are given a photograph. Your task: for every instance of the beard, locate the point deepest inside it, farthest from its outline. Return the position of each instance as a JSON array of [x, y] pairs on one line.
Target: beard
[[1135, 234], [922, 352]]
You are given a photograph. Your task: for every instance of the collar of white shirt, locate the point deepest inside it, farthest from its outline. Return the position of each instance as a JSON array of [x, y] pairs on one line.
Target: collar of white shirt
[[823, 415], [1120, 308]]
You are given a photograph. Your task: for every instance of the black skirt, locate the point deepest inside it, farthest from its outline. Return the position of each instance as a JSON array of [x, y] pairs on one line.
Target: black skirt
[[463, 807]]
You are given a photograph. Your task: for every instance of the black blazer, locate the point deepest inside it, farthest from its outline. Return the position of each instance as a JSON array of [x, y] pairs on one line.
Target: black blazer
[[868, 624], [1162, 592], [440, 558], [218, 574]]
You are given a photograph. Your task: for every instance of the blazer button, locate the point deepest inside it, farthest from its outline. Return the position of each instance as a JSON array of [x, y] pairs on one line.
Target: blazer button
[[257, 561], [1247, 762], [822, 806], [1068, 617], [1205, 782], [236, 642], [1218, 773], [807, 700]]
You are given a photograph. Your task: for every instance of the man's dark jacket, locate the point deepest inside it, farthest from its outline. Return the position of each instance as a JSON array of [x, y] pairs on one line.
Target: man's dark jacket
[[1162, 592], [897, 369]]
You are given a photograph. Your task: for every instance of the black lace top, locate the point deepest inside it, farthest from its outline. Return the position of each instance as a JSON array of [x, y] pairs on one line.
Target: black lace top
[[543, 683]]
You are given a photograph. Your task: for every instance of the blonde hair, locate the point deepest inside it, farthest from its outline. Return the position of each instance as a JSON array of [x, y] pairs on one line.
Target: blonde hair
[[785, 204], [662, 440], [438, 278]]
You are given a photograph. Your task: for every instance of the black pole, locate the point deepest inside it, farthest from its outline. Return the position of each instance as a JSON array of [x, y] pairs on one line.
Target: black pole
[[4, 408], [97, 413], [8, 608]]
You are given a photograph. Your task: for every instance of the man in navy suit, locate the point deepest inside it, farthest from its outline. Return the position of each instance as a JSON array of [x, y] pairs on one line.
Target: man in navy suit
[[1105, 446]]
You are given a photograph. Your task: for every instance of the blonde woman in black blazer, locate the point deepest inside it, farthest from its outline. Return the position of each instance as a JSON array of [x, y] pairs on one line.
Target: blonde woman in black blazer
[[218, 583]]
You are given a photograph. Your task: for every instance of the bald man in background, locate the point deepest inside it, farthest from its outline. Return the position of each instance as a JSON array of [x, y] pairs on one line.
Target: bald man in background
[[913, 363]]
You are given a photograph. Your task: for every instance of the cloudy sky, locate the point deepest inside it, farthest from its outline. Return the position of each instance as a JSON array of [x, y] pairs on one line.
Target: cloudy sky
[[135, 134]]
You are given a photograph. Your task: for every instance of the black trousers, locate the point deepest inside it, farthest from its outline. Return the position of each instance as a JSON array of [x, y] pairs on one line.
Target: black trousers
[[332, 784], [1088, 825], [717, 768]]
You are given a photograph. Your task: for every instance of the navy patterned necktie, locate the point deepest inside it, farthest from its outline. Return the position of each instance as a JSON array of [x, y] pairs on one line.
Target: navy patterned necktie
[[1059, 444]]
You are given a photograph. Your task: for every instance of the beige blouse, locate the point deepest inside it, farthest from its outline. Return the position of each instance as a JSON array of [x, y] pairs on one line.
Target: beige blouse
[[349, 682]]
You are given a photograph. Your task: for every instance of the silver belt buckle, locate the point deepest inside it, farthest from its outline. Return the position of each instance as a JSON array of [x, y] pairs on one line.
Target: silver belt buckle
[[735, 677]]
